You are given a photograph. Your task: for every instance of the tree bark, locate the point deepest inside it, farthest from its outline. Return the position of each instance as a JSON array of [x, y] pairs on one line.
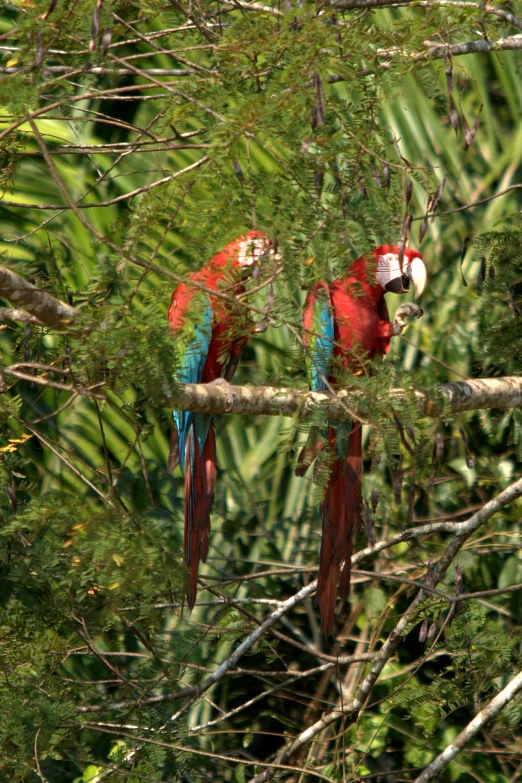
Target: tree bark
[[40, 305], [454, 397], [15, 314]]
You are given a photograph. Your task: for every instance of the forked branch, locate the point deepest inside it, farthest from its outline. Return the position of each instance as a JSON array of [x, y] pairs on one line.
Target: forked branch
[[463, 530]]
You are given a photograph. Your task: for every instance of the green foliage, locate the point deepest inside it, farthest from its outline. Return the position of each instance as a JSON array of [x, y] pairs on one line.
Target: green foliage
[[95, 643], [479, 652]]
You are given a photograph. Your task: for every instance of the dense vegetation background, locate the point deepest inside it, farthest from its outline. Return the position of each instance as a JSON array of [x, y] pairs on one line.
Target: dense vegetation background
[[137, 138]]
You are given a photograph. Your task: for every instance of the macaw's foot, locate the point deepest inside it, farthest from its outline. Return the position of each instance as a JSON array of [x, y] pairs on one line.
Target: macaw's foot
[[228, 389], [406, 310]]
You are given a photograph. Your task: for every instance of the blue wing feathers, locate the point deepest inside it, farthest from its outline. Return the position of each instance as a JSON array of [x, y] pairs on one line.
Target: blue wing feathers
[[322, 356], [190, 370], [322, 348], [321, 364]]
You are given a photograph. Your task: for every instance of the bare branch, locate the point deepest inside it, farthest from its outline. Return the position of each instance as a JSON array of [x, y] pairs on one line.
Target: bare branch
[[37, 760], [86, 391], [40, 306], [472, 205], [495, 706], [115, 93], [14, 314], [208, 34], [208, 754], [463, 530], [347, 5], [284, 606], [252, 7], [264, 694], [104, 71], [452, 599], [437, 52], [474, 394], [482, 9]]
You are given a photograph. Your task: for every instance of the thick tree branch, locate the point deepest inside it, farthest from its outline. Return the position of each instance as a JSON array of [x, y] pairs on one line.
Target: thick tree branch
[[272, 401], [40, 306], [495, 706], [15, 314]]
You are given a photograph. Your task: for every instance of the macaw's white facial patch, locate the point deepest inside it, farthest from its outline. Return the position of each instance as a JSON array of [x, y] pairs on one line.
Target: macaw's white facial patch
[[392, 278], [251, 250], [388, 268]]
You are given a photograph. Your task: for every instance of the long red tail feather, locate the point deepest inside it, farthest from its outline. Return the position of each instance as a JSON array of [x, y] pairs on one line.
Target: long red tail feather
[[341, 524], [200, 481]]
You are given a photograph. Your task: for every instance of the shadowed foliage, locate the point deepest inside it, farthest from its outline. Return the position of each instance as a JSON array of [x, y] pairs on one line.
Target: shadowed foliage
[[137, 139]]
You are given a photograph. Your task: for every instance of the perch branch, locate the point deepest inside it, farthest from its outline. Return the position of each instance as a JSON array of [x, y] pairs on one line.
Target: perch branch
[[454, 397]]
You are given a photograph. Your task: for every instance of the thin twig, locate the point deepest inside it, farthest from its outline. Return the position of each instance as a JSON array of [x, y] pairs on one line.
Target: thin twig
[[37, 759], [117, 199]]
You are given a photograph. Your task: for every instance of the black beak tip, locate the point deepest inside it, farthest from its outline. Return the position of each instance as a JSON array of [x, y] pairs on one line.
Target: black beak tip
[[399, 285]]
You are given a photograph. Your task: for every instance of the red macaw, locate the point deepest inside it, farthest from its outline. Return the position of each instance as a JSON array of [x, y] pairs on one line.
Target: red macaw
[[347, 323], [211, 331]]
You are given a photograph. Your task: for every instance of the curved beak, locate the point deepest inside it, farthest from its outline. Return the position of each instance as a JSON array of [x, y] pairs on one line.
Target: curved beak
[[399, 285], [416, 271]]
